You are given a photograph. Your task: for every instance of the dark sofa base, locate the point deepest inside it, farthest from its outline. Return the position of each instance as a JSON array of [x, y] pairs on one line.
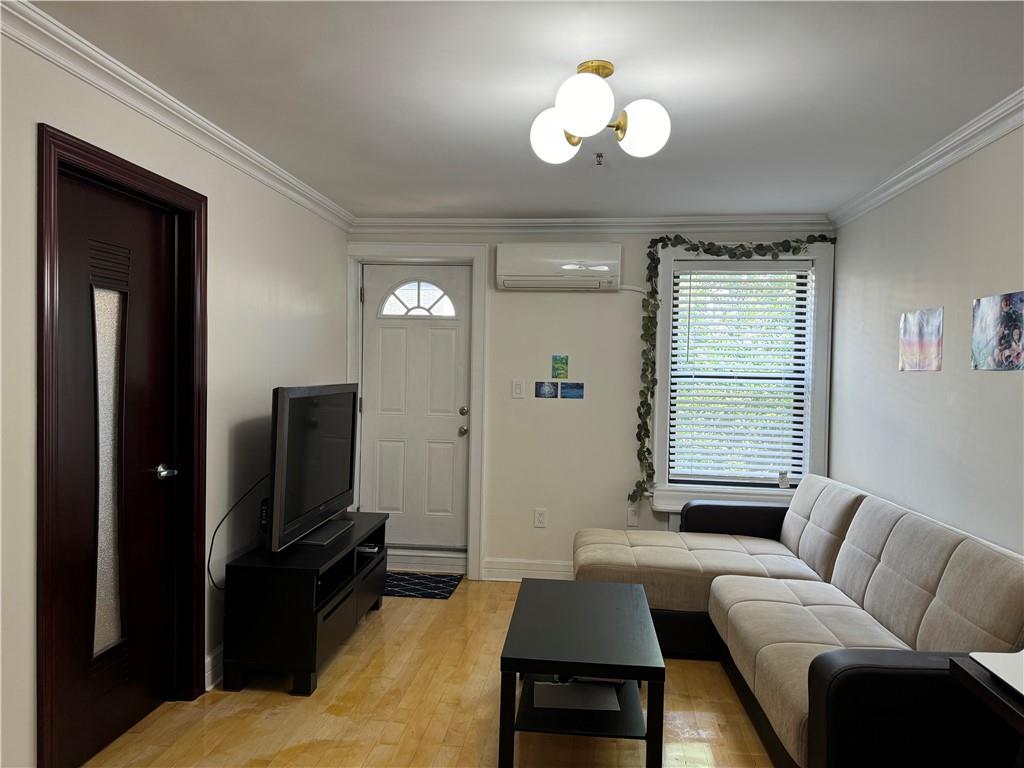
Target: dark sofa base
[[687, 635]]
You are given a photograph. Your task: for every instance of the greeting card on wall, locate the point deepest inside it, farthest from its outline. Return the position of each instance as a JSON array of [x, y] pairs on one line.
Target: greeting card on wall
[[921, 340], [997, 331]]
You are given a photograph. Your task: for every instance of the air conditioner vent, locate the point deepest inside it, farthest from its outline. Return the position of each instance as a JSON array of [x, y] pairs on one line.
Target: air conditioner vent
[[559, 266]]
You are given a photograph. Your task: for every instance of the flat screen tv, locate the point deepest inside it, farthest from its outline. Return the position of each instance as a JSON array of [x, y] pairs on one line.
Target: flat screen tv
[[313, 459]]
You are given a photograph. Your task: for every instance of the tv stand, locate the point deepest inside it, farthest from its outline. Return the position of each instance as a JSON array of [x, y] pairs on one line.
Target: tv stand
[[326, 533], [289, 611]]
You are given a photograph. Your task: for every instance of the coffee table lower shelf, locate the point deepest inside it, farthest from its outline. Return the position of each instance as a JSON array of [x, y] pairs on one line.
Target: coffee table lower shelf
[[627, 723]]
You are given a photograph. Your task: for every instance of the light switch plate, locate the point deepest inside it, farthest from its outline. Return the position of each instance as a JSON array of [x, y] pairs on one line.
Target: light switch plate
[[518, 389], [540, 517], [632, 516]]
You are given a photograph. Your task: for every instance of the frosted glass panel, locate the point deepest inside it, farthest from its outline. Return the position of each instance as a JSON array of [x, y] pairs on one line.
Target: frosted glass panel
[[109, 315]]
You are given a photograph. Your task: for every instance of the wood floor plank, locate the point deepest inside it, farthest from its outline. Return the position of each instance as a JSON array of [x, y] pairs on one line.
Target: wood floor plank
[[417, 685]]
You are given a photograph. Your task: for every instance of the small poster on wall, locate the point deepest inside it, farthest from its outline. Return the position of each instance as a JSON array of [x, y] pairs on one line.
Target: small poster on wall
[[921, 340], [545, 389], [571, 390], [559, 366], [997, 331]]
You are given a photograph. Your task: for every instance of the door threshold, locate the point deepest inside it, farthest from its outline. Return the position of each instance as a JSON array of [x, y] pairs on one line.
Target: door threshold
[[402, 557]]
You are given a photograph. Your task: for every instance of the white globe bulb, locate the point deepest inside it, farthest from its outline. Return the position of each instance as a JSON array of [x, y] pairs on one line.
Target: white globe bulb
[[548, 139], [647, 128], [585, 103]]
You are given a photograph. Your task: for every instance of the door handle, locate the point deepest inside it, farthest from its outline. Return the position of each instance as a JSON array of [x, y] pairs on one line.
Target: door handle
[[463, 431], [164, 472], [463, 411]]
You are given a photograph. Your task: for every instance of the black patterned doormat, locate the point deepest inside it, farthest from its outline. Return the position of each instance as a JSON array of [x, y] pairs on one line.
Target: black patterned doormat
[[436, 586]]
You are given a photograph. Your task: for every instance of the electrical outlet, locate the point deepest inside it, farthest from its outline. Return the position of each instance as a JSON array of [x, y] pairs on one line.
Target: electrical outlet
[[632, 516], [540, 517]]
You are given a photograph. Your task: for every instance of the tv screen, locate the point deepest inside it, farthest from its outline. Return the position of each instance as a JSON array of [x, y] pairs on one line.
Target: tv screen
[[314, 435]]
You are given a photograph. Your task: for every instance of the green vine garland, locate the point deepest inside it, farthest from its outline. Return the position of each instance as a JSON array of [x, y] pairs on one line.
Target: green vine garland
[[649, 327]]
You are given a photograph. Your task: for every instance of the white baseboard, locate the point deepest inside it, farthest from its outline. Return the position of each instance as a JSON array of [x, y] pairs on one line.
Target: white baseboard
[[429, 560], [214, 667], [514, 569]]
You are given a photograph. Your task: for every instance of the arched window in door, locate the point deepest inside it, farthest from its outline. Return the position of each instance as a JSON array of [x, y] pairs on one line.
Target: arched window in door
[[417, 298]]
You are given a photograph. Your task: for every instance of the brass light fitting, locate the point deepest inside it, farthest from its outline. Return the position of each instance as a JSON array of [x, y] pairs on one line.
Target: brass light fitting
[[620, 125], [598, 67], [582, 107]]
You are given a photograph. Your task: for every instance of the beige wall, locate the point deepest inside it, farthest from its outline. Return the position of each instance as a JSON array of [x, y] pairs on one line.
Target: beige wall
[[577, 459], [276, 316], [948, 444]]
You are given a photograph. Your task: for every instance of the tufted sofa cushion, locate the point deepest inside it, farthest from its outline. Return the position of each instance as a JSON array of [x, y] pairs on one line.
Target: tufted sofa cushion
[[819, 515], [676, 569], [773, 628], [936, 588]]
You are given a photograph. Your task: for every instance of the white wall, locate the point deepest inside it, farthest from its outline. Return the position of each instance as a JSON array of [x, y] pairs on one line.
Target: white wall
[[276, 316], [947, 444], [577, 459]]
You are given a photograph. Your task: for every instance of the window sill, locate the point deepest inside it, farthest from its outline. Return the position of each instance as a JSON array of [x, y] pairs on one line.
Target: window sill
[[671, 498]]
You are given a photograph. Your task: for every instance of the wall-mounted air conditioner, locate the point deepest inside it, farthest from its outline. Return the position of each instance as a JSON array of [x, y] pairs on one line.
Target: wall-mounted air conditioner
[[559, 266]]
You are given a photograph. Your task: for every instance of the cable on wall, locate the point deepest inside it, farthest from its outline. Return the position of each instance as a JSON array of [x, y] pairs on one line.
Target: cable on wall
[[213, 538]]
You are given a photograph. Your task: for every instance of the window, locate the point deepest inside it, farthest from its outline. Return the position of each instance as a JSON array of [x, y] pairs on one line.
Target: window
[[417, 298], [741, 359]]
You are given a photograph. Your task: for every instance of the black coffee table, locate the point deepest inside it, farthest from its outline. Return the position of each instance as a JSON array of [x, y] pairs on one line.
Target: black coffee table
[[563, 629]]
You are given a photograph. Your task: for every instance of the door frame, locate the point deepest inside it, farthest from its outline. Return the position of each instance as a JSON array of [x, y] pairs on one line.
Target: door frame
[[59, 152], [477, 257]]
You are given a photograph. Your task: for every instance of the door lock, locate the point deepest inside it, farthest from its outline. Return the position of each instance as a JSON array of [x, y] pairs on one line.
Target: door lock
[[164, 472], [463, 431], [463, 411]]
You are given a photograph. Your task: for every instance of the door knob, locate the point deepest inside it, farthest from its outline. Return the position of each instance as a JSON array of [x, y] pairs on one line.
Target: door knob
[[463, 431], [463, 411], [163, 472]]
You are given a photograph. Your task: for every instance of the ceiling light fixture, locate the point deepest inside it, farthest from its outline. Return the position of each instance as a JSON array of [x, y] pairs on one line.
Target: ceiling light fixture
[[584, 105]]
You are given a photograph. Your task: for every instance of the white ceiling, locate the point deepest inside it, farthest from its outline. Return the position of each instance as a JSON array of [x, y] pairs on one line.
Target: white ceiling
[[424, 109]]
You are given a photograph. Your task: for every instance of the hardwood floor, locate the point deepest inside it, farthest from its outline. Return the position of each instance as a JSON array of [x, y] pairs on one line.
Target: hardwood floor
[[417, 685]]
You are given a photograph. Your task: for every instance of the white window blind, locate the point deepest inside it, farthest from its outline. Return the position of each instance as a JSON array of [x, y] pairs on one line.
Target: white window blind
[[740, 379]]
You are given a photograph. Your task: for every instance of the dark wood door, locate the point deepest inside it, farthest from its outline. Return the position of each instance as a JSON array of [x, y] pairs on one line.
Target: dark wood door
[[116, 374]]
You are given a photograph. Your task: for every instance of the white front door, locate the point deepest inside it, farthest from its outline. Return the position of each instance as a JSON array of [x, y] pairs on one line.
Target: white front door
[[415, 388]]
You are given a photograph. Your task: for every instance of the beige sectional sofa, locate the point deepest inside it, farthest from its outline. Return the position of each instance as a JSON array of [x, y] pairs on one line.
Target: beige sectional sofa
[[677, 569], [849, 571]]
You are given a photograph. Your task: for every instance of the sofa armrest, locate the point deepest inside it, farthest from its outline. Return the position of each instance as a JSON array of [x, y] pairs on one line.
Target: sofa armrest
[[891, 707], [741, 518]]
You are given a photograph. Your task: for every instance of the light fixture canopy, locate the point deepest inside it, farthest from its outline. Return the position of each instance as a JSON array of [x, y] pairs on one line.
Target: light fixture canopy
[[584, 105], [646, 129], [548, 139]]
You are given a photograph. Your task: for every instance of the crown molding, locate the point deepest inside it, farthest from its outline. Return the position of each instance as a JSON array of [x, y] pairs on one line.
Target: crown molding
[[653, 225], [40, 33], [990, 125]]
